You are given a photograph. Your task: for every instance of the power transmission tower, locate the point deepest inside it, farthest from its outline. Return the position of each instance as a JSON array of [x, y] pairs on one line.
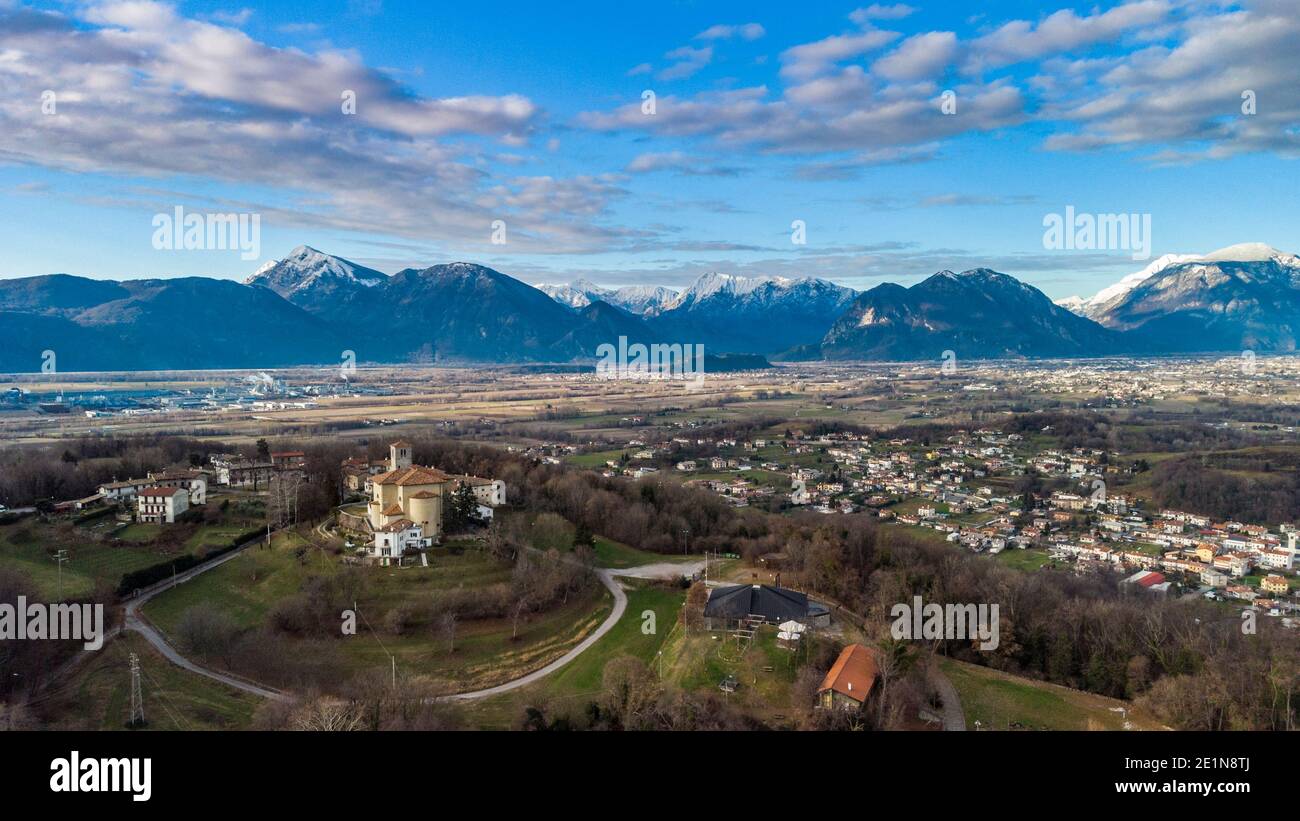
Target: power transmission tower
[[137, 694]]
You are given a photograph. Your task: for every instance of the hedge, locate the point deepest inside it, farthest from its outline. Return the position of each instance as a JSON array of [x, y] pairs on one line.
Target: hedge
[[155, 573]]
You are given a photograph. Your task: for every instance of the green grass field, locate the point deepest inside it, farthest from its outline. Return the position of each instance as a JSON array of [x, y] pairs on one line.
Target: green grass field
[[765, 672], [249, 586], [1028, 559], [101, 551], [30, 548], [998, 701], [597, 459], [97, 694], [579, 682], [617, 555]]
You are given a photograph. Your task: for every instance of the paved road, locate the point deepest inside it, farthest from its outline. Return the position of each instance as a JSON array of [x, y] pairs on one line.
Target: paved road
[[954, 719], [662, 570], [609, 578], [620, 605], [136, 621]]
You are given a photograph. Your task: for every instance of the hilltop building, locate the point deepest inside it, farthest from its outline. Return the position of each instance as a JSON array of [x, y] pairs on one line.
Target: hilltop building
[[849, 682]]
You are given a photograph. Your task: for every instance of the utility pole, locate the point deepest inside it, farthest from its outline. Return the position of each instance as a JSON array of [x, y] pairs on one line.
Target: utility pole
[[137, 695], [61, 557]]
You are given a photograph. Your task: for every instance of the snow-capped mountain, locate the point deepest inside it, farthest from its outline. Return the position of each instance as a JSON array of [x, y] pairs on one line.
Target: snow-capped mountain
[[715, 283], [1096, 304], [1088, 306], [577, 294], [976, 314], [638, 299], [1241, 297], [308, 278], [754, 314], [646, 300]]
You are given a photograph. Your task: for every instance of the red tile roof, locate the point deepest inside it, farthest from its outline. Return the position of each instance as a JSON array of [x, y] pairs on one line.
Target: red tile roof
[[853, 674], [414, 475], [159, 491]]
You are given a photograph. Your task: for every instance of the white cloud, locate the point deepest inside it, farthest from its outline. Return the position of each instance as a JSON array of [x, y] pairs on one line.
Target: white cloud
[[679, 162], [1064, 31], [746, 31], [920, 56], [877, 11], [143, 91], [806, 61], [687, 61]]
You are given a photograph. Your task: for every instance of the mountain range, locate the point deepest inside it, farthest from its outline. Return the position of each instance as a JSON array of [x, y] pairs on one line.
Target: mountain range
[[979, 314], [310, 307], [1244, 297]]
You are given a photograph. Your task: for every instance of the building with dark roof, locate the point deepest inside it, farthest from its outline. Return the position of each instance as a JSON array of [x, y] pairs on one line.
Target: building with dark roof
[[728, 607]]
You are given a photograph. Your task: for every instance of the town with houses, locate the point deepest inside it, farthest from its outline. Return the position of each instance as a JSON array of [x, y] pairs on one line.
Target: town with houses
[[958, 490]]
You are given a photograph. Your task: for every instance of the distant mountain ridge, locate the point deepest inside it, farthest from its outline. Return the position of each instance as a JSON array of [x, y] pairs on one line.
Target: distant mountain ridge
[[311, 279], [977, 314], [311, 306], [637, 299], [754, 314], [1243, 297]]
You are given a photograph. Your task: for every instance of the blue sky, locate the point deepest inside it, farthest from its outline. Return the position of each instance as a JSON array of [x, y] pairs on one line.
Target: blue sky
[[764, 114]]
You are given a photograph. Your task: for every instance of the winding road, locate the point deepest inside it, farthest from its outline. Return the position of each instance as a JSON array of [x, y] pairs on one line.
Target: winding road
[[135, 620], [608, 578], [953, 717]]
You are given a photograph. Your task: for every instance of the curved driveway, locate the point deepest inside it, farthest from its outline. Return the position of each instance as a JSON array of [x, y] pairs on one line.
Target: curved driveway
[[134, 620]]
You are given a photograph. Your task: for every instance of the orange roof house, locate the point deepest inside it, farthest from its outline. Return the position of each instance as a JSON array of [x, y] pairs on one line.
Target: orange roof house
[[850, 680]]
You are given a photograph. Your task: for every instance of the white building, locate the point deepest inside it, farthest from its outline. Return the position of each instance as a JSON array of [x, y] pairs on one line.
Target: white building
[[487, 492], [159, 505], [393, 539], [1277, 559]]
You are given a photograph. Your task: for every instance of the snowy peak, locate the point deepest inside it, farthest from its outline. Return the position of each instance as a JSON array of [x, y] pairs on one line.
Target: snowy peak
[[716, 282], [1246, 252], [1251, 252], [307, 270], [638, 299]]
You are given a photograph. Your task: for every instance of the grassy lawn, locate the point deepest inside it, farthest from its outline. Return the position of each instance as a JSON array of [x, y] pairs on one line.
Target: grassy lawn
[[579, 682], [139, 533], [30, 547], [997, 700], [597, 459], [610, 553], [101, 551], [765, 672], [249, 586], [245, 588], [98, 695], [1027, 559]]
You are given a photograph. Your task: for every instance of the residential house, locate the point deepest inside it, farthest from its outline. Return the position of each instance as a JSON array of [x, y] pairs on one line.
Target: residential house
[[161, 505], [849, 682]]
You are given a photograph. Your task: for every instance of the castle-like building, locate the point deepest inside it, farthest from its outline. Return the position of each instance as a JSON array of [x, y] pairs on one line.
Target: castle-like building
[[408, 492]]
